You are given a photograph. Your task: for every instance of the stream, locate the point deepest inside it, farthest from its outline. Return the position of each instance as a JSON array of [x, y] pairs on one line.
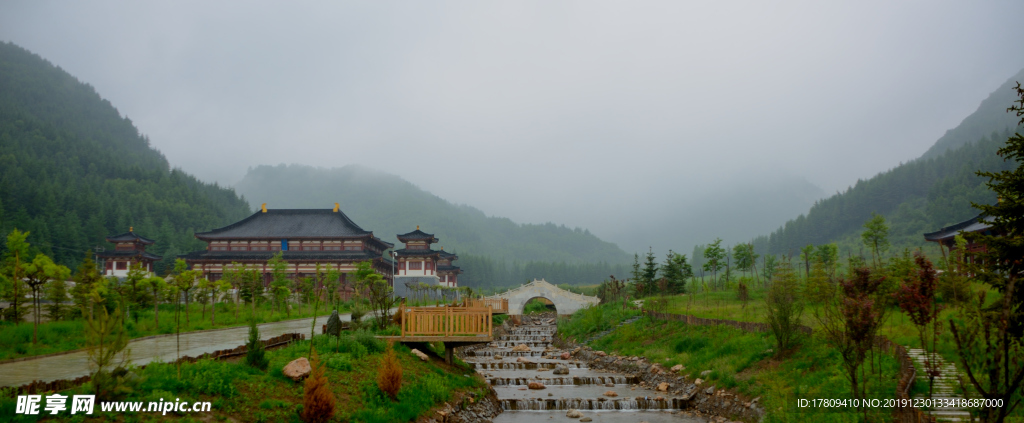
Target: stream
[[525, 356]]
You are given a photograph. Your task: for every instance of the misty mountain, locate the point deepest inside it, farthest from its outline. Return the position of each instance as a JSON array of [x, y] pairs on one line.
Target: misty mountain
[[390, 205], [73, 170], [920, 196], [990, 116], [734, 207]]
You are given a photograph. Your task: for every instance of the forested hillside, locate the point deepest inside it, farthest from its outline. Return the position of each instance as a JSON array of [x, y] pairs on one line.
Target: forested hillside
[[73, 170], [490, 247], [920, 196]]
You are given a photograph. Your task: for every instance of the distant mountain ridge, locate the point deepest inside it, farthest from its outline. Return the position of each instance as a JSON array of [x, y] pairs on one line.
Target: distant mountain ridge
[[990, 116], [390, 205], [919, 196]]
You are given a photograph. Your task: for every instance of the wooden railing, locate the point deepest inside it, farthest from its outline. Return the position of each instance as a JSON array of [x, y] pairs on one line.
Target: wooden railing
[[496, 304], [446, 321]]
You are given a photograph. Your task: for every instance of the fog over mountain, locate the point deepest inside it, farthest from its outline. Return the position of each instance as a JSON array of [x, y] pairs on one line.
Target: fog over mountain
[[658, 123]]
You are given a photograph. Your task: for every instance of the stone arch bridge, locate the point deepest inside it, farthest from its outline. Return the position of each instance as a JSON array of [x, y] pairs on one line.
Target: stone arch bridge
[[565, 302]]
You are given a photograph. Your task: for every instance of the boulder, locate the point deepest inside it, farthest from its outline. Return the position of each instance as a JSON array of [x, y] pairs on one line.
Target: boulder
[[705, 373], [421, 355], [573, 413], [565, 356], [601, 354], [535, 385], [334, 324], [663, 386], [497, 357], [561, 370], [698, 381], [610, 394], [678, 368], [586, 419], [523, 360], [521, 348], [298, 369]]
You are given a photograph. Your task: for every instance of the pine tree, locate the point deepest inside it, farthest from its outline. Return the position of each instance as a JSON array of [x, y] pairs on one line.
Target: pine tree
[[255, 355], [317, 398], [389, 378]]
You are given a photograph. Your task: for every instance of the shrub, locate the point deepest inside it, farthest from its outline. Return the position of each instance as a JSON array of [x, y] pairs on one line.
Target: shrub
[[784, 308], [390, 377], [371, 343], [256, 355], [690, 344], [317, 399], [742, 293], [340, 363], [349, 345]]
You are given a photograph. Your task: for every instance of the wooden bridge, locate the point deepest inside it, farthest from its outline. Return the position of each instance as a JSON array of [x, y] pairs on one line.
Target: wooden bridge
[[455, 326], [497, 305]]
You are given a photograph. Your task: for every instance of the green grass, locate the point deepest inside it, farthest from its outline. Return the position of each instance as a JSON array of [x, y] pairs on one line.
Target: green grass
[[16, 340], [591, 320], [744, 363], [241, 393], [725, 305]]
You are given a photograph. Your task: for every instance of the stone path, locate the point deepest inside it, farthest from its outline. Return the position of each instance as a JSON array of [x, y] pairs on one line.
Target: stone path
[[945, 386], [599, 335]]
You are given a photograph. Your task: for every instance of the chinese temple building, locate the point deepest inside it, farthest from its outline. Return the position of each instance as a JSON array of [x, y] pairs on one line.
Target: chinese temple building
[[129, 249], [418, 263], [305, 237], [446, 272], [946, 236]]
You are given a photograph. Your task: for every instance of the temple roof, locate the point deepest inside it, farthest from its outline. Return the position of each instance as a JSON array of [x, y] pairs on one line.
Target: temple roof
[[446, 255], [449, 269], [405, 252], [287, 255], [127, 254], [291, 224], [129, 236], [417, 235], [974, 224]]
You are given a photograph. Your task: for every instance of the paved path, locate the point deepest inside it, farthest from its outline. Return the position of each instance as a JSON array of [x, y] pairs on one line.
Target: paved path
[[70, 366], [945, 386]]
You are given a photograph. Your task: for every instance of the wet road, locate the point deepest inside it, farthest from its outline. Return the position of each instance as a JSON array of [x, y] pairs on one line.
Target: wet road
[[601, 396], [70, 366]]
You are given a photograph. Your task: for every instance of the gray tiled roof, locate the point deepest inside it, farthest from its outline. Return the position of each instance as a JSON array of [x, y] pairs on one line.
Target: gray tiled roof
[[119, 254], [129, 236], [289, 223], [974, 224], [405, 252], [417, 235], [449, 269]]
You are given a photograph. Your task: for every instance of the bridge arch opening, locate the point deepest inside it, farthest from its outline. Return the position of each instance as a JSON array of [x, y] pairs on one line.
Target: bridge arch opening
[[537, 305]]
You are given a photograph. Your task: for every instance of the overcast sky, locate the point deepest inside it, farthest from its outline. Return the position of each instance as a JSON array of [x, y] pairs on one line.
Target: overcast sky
[[539, 111]]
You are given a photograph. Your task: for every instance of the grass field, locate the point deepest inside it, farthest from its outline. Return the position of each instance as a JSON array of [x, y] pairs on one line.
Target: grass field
[[240, 393], [16, 340], [726, 305], [745, 363]]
